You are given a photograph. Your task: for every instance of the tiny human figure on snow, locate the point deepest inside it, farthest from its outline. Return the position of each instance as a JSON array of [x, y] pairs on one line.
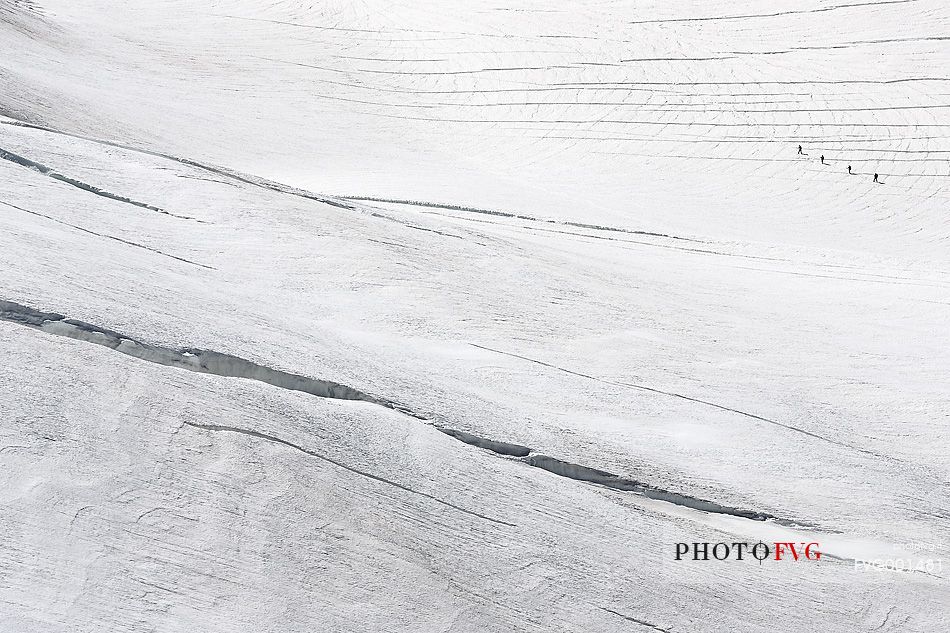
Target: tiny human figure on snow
[[875, 179], [849, 170], [822, 159], [800, 152]]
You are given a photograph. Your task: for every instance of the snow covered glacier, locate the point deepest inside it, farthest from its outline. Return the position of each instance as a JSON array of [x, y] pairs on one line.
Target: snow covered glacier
[[474, 316]]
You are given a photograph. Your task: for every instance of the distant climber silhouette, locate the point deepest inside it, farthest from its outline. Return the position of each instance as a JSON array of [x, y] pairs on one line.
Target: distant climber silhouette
[[875, 179], [800, 152], [822, 159], [849, 170]]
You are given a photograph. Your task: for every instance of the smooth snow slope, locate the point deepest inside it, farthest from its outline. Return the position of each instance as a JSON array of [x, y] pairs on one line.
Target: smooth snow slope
[[583, 230]]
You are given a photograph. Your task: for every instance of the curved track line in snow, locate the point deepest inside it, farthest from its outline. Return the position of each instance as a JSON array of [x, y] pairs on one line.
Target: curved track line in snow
[[692, 124], [111, 237], [635, 620], [46, 171], [673, 394], [247, 179], [750, 16], [517, 216], [362, 473]]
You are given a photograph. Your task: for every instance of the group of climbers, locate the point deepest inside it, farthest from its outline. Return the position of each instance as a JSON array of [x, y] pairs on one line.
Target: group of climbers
[[850, 173]]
